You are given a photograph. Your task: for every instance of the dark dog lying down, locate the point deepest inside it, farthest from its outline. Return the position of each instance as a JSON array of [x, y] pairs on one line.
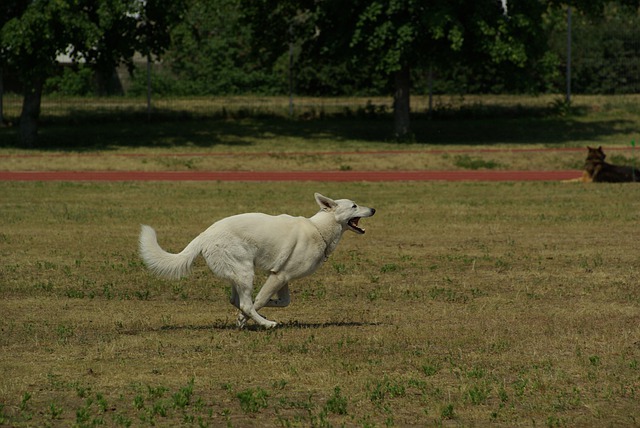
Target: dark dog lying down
[[598, 171]]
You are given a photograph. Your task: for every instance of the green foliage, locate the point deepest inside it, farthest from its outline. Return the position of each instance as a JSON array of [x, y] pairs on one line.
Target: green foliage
[[385, 389], [337, 403], [470, 47], [447, 412], [55, 411], [162, 83], [31, 40], [430, 369], [210, 53], [182, 398], [470, 162], [102, 33], [72, 82], [240, 46], [229, 47], [605, 49], [253, 400], [25, 400]]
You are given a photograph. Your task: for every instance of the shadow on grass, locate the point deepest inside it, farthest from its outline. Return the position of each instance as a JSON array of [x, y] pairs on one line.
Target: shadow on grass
[[223, 325], [166, 129]]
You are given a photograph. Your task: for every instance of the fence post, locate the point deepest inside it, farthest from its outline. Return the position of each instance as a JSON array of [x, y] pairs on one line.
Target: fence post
[[291, 35], [568, 99], [430, 88], [149, 87], [1, 99], [291, 79]]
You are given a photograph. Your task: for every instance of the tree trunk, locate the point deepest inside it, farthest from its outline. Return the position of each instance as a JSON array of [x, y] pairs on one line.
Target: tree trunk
[[401, 102], [108, 82], [30, 115]]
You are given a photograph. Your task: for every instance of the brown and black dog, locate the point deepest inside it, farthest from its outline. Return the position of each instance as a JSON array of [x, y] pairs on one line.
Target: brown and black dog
[[598, 171]]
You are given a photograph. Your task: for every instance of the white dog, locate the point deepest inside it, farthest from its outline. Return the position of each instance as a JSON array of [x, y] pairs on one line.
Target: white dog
[[287, 247]]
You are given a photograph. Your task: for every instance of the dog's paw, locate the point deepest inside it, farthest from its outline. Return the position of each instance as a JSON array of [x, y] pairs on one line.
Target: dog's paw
[[241, 321], [269, 324]]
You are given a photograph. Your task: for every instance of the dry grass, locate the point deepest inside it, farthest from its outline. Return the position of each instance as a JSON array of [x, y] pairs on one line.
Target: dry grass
[[447, 159], [465, 303], [403, 159]]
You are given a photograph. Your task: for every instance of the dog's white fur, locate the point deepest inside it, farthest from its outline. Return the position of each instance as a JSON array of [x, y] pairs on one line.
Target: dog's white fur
[[287, 247]]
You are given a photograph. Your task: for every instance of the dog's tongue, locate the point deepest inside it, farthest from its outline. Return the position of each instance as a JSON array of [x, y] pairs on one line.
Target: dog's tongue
[[354, 223]]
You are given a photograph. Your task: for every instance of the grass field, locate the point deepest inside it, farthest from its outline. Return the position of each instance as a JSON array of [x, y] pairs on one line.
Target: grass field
[[513, 304], [468, 304], [255, 134]]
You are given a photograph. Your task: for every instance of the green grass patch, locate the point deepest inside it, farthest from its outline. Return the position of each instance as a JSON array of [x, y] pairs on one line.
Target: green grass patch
[[470, 162]]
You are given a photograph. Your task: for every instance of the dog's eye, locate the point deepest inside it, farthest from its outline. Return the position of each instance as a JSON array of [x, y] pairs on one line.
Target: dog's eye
[[354, 206]]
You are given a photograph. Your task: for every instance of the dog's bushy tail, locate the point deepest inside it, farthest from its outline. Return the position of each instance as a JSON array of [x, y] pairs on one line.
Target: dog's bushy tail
[[162, 263]]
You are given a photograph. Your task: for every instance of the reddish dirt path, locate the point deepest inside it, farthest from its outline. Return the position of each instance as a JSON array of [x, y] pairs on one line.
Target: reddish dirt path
[[343, 176], [318, 153]]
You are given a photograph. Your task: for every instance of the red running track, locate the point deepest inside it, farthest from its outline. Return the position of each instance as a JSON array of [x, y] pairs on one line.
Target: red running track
[[339, 176]]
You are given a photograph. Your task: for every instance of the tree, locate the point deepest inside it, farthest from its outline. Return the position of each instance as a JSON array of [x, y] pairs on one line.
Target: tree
[[404, 34], [103, 33], [8, 10], [605, 49], [393, 37], [210, 53]]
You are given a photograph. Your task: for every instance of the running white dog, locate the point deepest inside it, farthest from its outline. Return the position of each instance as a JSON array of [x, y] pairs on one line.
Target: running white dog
[[287, 247]]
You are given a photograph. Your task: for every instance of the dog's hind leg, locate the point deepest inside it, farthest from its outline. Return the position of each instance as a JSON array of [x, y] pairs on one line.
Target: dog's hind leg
[[248, 308], [276, 283], [235, 301], [240, 274]]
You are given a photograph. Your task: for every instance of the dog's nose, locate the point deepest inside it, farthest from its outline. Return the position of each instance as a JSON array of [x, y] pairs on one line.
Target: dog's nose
[[373, 211]]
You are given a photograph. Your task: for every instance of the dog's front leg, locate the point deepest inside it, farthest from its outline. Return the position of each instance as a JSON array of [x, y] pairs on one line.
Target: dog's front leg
[[596, 171]]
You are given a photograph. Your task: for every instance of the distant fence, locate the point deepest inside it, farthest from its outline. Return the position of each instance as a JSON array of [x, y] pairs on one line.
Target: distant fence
[[54, 106], [63, 107]]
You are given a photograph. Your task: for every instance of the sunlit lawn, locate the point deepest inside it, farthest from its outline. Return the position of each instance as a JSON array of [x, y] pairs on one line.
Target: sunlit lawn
[[464, 303]]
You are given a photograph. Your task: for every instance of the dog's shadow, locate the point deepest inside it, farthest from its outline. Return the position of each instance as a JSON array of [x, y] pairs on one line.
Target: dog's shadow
[[225, 325]]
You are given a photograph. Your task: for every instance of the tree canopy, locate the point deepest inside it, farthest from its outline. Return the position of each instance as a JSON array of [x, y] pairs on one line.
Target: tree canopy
[[102, 33], [393, 47], [499, 41], [392, 37]]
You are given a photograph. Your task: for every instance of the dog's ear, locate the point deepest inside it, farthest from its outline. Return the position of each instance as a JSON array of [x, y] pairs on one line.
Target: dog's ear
[[324, 202]]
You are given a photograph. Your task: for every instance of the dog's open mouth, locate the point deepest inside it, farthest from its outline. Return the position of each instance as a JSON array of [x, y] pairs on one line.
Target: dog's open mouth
[[353, 225]]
